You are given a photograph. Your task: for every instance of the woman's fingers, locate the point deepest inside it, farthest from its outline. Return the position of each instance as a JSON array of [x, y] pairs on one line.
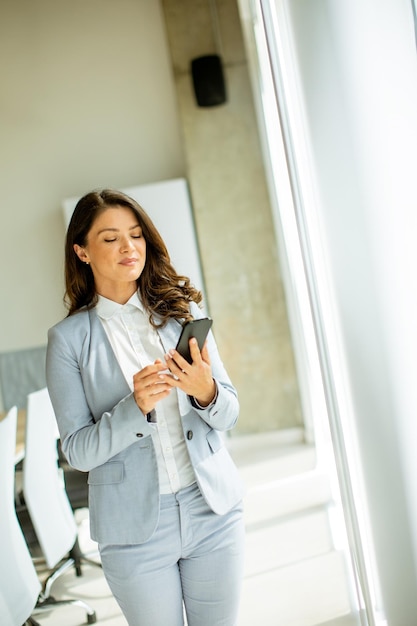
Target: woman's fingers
[[205, 356], [149, 387], [194, 379]]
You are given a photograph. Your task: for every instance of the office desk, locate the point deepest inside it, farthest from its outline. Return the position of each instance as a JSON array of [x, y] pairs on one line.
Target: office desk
[[20, 433]]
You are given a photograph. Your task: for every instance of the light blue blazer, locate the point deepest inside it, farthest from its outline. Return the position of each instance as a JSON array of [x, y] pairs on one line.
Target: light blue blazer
[[103, 431]]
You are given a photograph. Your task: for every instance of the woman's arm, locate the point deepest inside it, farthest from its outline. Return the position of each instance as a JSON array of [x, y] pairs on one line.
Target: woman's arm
[[87, 440], [222, 410]]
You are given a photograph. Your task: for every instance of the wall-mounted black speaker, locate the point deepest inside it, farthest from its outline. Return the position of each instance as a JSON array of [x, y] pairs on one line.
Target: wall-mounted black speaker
[[208, 80]]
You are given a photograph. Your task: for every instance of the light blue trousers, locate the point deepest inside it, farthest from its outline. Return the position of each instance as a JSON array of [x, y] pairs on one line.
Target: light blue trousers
[[193, 560]]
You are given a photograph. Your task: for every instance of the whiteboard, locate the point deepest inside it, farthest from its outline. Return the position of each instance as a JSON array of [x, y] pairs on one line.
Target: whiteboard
[[168, 205]]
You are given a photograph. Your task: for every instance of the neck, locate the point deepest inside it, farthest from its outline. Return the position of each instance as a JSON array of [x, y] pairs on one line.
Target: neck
[[120, 295]]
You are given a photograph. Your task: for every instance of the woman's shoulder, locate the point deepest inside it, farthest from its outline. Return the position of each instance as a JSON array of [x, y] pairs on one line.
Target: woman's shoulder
[[196, 310], [79, 321]]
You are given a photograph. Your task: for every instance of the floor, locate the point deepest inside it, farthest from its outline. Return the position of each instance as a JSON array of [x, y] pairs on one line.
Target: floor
[[287, 567]]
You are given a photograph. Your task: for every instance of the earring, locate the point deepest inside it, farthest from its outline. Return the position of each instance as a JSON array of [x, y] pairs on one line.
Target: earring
[[87, 262]]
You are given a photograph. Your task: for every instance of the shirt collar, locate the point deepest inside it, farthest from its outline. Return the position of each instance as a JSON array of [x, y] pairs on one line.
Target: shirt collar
[[106, 308]]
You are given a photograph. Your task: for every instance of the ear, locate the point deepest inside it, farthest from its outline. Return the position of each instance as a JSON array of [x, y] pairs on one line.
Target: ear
[[81, 253]]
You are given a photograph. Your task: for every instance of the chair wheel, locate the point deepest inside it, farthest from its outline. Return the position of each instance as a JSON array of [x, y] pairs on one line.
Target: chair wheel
[[91, 619]]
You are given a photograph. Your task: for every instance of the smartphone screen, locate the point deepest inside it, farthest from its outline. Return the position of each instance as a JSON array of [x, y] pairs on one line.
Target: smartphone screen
[[196, 328]]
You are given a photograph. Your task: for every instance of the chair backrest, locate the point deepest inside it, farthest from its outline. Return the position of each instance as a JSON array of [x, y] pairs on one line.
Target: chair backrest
[[43, 487], [21, 372], [19, 582]]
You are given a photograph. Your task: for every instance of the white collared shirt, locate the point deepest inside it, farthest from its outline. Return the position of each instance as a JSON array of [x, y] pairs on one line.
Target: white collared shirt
[[136, 344]]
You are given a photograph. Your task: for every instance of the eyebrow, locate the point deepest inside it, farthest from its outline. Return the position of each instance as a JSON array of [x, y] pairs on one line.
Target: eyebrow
[[116, 230]]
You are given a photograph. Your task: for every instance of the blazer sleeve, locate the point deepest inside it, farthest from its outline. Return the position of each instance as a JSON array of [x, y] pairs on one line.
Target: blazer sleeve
[[89, 436], [224, 412]]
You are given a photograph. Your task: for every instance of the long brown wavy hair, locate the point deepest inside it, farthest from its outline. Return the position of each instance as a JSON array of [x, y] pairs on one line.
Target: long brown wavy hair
[[164, 293]]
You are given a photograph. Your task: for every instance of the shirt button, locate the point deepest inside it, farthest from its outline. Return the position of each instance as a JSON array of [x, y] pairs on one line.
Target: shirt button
[[190, 435], [139, 435]]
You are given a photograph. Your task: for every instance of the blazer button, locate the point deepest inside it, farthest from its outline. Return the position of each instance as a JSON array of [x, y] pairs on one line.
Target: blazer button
[[190, 435], [139, 434]]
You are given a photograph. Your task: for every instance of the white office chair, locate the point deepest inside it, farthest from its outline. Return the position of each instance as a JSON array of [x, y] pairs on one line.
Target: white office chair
[[19, 582], [21, 372], [46, 499]]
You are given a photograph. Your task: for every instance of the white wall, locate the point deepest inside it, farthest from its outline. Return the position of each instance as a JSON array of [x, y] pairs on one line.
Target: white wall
[[87, 100], [358, 67]]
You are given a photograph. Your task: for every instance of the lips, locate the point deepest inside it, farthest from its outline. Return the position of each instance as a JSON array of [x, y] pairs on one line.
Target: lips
[[129, 262]]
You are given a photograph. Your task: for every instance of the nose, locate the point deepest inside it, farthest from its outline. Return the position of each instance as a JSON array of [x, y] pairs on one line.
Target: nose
[[126, 244]]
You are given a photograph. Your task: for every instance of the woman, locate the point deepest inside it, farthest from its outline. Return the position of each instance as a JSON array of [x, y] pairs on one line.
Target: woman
[[164, 495]]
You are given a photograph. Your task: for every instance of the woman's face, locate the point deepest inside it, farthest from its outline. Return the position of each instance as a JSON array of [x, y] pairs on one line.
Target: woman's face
[[116, 253]]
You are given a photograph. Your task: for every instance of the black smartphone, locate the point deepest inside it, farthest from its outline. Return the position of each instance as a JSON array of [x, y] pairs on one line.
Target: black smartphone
[[196, 328]]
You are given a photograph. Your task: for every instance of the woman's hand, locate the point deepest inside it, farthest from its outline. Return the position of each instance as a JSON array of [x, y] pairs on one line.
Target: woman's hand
[[150, 386], [195, 378]]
